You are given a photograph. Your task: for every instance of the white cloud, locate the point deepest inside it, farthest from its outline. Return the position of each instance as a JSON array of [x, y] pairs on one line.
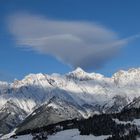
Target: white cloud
[[76, 43]]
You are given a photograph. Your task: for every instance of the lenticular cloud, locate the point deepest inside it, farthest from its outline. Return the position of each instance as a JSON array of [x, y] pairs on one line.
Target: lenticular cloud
[[75, 43]]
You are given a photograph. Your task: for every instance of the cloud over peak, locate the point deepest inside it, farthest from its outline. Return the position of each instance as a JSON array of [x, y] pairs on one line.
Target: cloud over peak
[[75, 43]]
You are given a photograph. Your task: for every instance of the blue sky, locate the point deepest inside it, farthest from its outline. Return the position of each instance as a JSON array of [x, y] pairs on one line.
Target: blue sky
[[118, 20]]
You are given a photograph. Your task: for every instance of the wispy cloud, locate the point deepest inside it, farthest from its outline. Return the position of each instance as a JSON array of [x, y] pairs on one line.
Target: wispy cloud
[[75, 43]]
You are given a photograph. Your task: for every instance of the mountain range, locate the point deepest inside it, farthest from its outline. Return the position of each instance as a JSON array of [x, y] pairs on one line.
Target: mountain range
[[42, 99]]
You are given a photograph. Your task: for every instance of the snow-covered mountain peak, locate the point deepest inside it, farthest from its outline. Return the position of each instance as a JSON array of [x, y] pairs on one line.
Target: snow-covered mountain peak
[[38, 76], [132, 71], [80, 74], [130, 77], [78, 70], [31, 79], [3, 86], [3, 83]]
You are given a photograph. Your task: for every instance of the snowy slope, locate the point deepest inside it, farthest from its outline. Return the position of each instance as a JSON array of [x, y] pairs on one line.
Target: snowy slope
[[87, 92], [72, 134]]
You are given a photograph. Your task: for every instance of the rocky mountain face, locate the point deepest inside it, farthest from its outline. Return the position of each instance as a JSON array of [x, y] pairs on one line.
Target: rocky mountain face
[[41, 99], [10, 115], [53, 112]]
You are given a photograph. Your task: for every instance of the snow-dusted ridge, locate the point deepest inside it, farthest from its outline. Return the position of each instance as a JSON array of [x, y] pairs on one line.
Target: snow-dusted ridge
[[86, 92]]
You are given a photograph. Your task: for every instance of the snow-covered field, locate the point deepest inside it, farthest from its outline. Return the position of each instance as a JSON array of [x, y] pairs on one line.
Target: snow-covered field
[[72, 134]]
